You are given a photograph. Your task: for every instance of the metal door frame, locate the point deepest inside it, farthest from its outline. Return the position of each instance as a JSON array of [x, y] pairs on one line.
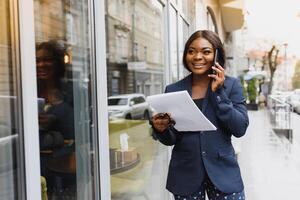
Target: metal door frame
[[29, 100], [101, 90]]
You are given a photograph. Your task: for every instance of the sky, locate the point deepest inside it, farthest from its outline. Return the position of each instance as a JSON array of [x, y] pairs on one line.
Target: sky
[[275, 20]]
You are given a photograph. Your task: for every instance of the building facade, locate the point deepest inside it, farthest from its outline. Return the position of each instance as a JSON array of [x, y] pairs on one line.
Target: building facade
[[74, 77]]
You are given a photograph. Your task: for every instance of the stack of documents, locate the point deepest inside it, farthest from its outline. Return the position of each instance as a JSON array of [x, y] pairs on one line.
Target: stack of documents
[[182, 109]]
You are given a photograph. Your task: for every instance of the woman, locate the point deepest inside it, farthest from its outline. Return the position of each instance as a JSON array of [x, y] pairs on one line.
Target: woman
[[56, 119], [204, 161]]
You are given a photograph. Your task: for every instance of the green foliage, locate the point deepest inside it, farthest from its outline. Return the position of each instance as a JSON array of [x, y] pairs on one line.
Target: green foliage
[[245, 93], [296, 76], [252, 90]]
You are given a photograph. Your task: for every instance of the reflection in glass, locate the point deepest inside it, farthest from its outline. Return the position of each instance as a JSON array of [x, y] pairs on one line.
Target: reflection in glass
[[117, 102], [183, 34], [187, 7], [135, 67], [183, 5], [56, 118], [173, 44], [65, 97], [11, 165], [130, 106]]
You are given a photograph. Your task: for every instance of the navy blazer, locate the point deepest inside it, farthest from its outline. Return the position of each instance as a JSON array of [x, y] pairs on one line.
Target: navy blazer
[[196, 154]]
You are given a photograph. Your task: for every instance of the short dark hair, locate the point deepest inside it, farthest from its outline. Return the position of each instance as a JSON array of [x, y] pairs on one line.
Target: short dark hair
[[212, 38]]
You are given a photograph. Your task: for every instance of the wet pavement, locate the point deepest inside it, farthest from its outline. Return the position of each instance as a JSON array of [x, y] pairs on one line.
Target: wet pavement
[[270, 165]]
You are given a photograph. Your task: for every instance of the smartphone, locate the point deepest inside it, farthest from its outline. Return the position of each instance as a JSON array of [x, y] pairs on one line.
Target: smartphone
[[215, 60], [41, 105]]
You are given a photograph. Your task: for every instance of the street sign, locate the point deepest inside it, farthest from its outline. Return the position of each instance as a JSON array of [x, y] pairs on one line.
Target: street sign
[[136, 65]]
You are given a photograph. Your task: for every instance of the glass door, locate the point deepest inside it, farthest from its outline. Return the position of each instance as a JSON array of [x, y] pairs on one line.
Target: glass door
[[12, 182], [135, 41], [65, 73]]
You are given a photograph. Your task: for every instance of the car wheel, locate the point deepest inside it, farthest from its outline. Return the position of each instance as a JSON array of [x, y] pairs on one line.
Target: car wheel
[[128, 116], [146, 115]]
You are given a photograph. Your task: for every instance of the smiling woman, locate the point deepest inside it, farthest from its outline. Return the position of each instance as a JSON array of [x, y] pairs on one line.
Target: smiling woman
[[199, 160], [200, 56], [50, 61], [57, 115]]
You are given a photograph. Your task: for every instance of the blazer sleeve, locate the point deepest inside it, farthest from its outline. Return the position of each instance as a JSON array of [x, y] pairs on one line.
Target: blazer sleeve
[[170, 136], [231, 111]]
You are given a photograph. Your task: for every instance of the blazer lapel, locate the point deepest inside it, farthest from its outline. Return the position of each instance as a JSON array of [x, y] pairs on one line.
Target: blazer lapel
[[205, 101], [187, 84]]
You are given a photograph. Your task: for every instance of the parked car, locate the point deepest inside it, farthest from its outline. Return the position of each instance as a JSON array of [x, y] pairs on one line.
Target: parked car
[[297, 109], [129, 106], [294, 101]]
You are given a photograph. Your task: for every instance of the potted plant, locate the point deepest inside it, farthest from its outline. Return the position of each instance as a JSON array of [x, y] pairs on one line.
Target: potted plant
[[252, 95]]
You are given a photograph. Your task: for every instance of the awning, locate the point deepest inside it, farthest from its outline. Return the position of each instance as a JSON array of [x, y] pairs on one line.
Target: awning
[[232, 14], [255, 74]]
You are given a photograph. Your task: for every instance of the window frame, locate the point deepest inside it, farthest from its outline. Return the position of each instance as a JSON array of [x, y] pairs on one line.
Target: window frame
[[102, 107], [28, 84], [29, 96], [179, 16]]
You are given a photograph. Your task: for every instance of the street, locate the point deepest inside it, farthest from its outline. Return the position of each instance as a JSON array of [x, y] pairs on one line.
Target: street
[[270, 165], [295, 123]]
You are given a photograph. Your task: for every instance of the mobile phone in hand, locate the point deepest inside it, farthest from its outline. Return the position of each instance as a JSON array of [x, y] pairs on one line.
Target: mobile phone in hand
[[215, 60]]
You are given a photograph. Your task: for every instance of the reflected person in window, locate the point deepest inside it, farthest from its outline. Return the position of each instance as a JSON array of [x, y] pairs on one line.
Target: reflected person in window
[[56, 120], [204, 162]]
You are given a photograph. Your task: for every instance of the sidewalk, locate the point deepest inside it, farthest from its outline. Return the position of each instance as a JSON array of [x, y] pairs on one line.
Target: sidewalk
[[270, 166]]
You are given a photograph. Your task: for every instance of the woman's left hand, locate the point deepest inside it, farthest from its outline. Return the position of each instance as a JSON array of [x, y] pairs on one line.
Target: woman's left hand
[[218, 77]]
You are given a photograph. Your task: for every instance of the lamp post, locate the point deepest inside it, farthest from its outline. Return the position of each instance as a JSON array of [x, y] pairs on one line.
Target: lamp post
[[288, 107], [285, 65]]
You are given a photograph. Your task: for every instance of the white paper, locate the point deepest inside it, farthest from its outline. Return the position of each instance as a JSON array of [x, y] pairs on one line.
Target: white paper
[[183, 110]]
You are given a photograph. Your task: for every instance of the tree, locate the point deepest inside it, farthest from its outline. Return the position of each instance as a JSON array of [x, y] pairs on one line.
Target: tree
[[273, 62], [296, 76], [266, 59], [245, 92]]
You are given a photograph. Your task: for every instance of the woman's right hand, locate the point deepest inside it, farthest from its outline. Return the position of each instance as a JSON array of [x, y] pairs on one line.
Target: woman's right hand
[[161, 121], [46, 120]]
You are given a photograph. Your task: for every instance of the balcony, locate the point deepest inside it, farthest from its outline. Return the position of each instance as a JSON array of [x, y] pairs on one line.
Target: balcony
[[232, 13]]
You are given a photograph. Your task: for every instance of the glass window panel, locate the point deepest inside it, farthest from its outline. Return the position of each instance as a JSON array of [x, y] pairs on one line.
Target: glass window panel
[[65, 81], [187, 7], [191, 13], [183, 35], [11, 158], [138, 163], [182, 6], [173, 44], [179, 3]]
